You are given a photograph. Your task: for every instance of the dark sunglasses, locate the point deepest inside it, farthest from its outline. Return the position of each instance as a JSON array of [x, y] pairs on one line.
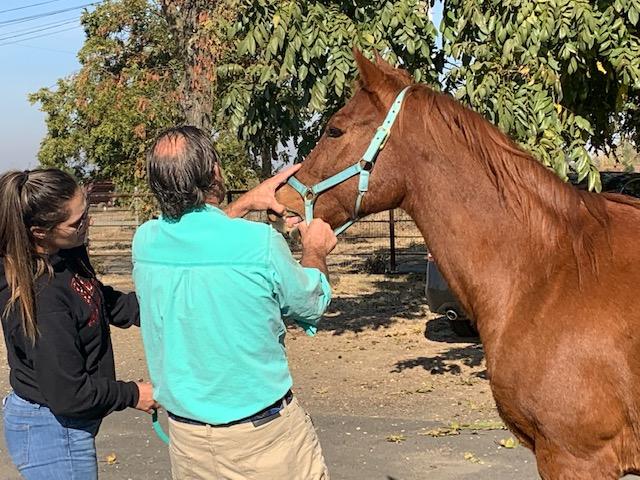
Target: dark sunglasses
[[79, 225]]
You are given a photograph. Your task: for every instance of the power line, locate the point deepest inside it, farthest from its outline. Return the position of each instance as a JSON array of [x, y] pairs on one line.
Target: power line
[[45, 48], [29, 6], [37, 36], [29, 31], [44, 15]]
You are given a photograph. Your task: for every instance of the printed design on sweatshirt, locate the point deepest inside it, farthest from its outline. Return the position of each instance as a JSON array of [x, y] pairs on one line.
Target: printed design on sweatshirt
[[88, 289]]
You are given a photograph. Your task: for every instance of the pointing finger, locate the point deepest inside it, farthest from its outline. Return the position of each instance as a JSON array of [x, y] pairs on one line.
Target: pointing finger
[[284, 175]]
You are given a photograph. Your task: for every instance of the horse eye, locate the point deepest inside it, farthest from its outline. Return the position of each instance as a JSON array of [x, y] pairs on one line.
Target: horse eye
[[334, 132]]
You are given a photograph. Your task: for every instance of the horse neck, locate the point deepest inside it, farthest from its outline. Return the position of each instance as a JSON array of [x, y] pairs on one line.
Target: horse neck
[[485, 252]]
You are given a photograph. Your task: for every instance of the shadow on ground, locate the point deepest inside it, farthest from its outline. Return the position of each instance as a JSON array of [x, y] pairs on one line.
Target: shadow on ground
[[382, 304], [445, 363], [448, 362]]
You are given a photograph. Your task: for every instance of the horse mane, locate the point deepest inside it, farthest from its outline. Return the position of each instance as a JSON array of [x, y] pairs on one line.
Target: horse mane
[[554, 210], [535, 194]]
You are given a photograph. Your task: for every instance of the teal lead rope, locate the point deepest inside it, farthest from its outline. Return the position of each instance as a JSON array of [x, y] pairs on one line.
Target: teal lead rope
[[158, 428]]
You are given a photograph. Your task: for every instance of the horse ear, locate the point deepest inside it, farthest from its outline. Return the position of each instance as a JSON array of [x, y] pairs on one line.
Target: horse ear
[[383, 64], [371, 76]]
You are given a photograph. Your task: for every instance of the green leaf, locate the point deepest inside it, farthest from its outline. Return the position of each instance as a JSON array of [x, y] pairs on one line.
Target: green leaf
[[302, 72], [411, 47], [584, 124], [593, 179], [251, 44]]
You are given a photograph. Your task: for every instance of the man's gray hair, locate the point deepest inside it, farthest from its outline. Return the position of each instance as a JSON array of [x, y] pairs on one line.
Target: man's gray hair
[[180, 171]]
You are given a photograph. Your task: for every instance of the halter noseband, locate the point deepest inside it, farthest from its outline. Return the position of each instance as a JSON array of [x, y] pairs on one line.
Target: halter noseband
[[362, 167]]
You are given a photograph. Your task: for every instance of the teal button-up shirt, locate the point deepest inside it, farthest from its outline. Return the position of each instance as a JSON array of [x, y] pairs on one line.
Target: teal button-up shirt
[[213, 292]]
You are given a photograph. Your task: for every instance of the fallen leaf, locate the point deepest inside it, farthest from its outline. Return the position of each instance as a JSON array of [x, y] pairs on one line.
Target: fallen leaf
[[112, 459], [508, 442], [425, 389], [396, 438], [470, 457], [441, 432]]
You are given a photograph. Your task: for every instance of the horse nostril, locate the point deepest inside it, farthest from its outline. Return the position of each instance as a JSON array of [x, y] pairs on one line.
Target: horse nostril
[[295, 235]]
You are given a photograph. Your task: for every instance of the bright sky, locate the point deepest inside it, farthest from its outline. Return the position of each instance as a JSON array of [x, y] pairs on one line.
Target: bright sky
[[39, 40], [34, 53]]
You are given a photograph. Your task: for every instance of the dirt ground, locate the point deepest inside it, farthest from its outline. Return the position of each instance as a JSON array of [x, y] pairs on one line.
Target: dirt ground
[[379, 351], [393, 392]]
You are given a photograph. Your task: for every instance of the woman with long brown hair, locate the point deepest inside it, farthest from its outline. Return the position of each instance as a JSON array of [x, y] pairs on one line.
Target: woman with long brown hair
[[55, 318]]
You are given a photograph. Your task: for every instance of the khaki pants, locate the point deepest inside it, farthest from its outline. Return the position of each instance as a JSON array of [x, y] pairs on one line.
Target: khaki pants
[[286, 448]]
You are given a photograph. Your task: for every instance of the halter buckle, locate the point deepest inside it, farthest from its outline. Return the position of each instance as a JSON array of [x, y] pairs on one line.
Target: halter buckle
[[309, 195], [366, 165]]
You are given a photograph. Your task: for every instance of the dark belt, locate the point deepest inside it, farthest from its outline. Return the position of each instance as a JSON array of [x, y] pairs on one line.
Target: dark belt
[[265, 415]]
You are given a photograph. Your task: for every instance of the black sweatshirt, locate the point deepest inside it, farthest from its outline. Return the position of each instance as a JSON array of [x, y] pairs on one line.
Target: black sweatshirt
[[70, 368]]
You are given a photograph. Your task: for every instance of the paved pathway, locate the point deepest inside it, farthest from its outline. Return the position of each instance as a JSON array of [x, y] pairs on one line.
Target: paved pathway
[[356, 448]]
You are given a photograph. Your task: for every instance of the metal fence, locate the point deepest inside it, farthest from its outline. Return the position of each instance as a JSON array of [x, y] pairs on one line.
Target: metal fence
[[385, 242]]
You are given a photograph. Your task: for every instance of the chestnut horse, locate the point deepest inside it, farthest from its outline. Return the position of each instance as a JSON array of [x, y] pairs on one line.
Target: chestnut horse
[[550, 274]]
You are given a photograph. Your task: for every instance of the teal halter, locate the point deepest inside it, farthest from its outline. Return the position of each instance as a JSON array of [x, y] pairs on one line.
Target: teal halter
[[362, 167]]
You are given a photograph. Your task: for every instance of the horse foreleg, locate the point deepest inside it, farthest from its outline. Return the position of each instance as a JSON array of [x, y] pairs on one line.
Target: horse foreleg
[[557, 464]]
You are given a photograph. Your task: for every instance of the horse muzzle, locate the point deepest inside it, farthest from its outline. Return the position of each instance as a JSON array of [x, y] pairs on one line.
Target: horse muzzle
[[286, 223]]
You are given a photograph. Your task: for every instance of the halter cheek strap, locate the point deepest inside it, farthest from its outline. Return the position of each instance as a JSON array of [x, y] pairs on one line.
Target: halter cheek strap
[[363, 168]]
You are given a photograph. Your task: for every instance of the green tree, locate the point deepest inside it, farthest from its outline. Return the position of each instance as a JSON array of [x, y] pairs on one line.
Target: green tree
[[560, 76], [100, 120], [293, 67], [131, 84], [197, 29]]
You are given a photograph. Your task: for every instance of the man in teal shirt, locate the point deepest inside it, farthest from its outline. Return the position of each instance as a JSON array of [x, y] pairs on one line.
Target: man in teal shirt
[[213, 290]]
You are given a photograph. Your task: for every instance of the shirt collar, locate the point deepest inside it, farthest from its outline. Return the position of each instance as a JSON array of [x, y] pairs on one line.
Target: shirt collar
[[205, 208], [212, 208]]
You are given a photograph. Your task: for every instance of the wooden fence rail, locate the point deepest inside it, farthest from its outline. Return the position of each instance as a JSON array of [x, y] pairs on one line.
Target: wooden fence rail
[[388, 241]]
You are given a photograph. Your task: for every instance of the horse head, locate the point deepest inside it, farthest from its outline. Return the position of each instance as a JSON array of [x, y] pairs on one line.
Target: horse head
[[343, 144]]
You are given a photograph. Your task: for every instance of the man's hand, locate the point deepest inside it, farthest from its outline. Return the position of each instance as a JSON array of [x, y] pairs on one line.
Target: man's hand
[[262, 197], [318, 240], [146, 403]]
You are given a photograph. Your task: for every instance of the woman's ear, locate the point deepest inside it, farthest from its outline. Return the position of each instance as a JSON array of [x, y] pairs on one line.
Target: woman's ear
[[38, 233]]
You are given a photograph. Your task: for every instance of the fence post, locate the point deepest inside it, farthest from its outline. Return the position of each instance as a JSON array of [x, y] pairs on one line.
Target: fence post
[[136, 206], [392, 241], [229, 197]]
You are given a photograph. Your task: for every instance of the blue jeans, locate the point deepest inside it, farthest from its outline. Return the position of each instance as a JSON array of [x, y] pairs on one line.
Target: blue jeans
[[45, 446]]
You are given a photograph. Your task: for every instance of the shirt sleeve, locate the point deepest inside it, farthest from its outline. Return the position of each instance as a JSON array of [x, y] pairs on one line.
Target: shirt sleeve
[[62, 378], [303, 293], [122, 308]]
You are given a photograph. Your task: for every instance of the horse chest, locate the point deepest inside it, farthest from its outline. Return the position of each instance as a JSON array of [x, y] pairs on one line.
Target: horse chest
[[513, 405], [513, 382]]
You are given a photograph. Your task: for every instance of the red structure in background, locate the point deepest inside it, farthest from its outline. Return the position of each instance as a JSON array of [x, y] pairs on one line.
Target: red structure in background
[[101, 193]]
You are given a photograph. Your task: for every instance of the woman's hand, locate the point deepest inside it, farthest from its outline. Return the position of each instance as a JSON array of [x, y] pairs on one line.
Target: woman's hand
[[146, 403]]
